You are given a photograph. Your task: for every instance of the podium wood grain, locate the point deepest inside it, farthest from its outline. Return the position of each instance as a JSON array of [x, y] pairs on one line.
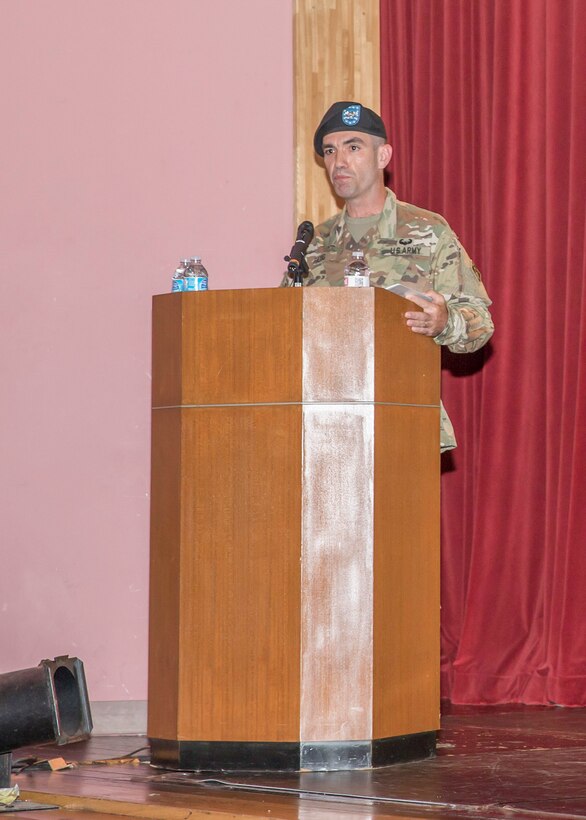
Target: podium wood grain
[[295, 518]]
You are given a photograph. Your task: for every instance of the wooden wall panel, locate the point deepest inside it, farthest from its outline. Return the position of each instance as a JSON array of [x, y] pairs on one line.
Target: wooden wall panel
[[337, 57]]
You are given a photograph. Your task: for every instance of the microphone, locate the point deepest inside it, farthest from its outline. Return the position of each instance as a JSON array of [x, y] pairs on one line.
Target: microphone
[[296, 258]]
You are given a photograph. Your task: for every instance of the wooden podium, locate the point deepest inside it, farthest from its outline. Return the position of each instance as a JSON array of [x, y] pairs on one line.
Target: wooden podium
[[294, 592]]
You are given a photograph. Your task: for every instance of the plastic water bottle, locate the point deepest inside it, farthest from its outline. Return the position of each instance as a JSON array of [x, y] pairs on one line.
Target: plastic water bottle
[[357, 272], [178, 281], [196, 276]]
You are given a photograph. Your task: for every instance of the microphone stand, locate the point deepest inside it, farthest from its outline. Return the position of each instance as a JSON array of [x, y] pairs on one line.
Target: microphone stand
[[297, 269]]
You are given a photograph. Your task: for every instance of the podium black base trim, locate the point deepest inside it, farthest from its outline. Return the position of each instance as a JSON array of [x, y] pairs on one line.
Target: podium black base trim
[[242, 756], [5, 770]]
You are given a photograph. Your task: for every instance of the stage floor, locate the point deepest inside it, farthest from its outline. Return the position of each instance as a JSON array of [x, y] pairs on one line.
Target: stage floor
[[492, 762]]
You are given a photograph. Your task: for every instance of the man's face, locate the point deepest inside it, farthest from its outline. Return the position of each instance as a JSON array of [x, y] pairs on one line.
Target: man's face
[[354, 162]]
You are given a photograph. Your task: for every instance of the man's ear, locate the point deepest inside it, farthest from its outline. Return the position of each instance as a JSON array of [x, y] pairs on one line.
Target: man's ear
[[385, 152]]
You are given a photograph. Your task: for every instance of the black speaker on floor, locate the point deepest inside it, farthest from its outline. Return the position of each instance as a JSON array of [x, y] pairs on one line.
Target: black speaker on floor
[[46, 704]]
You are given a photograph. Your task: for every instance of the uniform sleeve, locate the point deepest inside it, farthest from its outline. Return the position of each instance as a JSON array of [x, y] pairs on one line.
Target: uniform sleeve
[[470, 324]]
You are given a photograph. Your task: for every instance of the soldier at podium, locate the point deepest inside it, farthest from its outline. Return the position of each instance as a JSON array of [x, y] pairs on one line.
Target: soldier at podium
[[401, 242]]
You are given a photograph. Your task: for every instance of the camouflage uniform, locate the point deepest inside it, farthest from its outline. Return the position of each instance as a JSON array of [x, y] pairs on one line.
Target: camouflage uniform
[[418, 248]]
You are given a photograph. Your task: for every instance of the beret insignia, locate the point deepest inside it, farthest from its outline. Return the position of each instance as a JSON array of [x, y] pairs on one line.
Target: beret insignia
[[351, 115]]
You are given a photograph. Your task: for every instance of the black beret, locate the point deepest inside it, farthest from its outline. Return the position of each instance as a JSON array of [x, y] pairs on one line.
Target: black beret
[[348, 116]]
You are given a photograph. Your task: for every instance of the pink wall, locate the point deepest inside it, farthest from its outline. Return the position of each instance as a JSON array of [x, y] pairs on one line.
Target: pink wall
[[134, 132]]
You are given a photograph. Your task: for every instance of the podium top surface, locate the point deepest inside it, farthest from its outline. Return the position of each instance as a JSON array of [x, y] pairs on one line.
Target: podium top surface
[[289, 345]]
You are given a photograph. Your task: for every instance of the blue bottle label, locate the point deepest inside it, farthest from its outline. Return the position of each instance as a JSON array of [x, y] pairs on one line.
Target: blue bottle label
[[196, 283], [177, 285]]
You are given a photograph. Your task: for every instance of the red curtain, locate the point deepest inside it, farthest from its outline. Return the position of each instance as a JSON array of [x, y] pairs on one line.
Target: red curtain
[[485, 103]]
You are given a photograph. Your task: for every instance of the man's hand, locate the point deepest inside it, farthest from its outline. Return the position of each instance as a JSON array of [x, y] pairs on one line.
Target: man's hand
[[434, 317]]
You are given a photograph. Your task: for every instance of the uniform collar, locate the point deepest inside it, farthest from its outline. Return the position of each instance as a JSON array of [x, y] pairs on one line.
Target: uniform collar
[[387, 223]]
